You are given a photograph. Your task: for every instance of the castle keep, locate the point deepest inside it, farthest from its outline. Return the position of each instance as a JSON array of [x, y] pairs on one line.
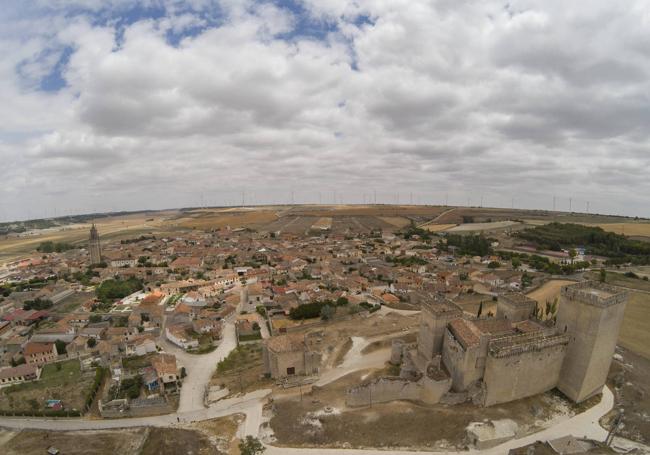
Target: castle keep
[[509, 357]]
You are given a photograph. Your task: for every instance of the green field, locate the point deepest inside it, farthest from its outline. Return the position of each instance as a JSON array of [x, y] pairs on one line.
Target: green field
[[67, 383]]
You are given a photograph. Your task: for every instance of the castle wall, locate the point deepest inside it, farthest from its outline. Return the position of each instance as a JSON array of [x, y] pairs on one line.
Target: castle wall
[[464, 365], [520, 375], [432, 332], [593, 329], [383, 390]]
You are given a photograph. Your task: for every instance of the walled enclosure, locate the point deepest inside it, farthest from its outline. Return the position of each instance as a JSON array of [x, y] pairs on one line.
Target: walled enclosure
[[518, 368]]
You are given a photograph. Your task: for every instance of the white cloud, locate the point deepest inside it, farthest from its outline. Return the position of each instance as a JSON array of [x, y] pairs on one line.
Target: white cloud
[[526, 100]]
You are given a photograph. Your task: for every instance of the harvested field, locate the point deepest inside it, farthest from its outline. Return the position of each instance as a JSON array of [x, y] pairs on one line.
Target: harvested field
[[397, 221], [630, 229], [474, 227], [219, 219], [36, 442], [437, 227], [370, 210], [323, 223], [635, 331]]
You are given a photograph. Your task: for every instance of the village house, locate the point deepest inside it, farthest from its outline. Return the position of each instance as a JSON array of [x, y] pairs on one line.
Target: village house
[[40, 353], [290, 355], [177, 334], [21, 373]]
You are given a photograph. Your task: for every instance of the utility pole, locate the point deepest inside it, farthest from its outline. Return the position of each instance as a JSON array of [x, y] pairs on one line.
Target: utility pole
[[587, 206], [513, 202], [243, 198], [446, 199], [375, 191], [411, 198], [554, 203], [570, 204], [481, 201]]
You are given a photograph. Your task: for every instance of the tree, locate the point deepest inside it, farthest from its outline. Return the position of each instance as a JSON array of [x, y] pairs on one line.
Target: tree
[[60, 346], [342, 301], [480, 310], [603, 276], [516, 263], [326, 312], [94, 318], [91, 343], [494, 265], [251, 446]]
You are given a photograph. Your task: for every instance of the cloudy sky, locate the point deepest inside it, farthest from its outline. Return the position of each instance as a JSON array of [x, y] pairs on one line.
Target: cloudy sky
[[107, 106]]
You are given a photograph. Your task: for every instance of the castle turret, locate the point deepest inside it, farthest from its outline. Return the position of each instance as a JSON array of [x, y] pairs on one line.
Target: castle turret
[[591, 314], [94, 247], [436, 314]]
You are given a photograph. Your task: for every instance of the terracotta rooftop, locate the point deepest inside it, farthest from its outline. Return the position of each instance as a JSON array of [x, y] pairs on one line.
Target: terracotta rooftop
[[37, 348], [528, 326], [286, 343], [493, 326], [465, 332]]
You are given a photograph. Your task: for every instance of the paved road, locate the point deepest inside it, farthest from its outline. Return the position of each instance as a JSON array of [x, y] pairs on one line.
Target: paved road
[[249, 404], [200, 369]]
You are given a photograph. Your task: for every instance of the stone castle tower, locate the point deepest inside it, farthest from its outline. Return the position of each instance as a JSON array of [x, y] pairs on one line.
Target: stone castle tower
[[591, 314], [93, 246]]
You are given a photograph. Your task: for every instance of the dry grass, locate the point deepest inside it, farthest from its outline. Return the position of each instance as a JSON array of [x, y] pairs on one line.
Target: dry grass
[[631, 229], [323, 223], [549, 291], [234, 219], [396, 221], [437, 227], [635, 331], [33, 442]]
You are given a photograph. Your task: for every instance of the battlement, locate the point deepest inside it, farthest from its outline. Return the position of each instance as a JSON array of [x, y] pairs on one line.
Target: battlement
[[518, 344], [441, 306], [594, 293]]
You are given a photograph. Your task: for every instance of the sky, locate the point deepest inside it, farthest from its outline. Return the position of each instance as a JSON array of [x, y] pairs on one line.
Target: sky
[[123, 105]]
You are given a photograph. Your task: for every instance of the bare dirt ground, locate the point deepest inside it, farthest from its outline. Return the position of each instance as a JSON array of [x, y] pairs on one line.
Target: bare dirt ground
[[437, 227], [629, 379], [549, 291], [36, 442], [306, 422], [216, 436]]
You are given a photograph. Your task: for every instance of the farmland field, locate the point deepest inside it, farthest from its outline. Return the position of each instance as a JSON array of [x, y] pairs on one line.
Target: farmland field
[[630, 229], [549, 291], [437, 227]]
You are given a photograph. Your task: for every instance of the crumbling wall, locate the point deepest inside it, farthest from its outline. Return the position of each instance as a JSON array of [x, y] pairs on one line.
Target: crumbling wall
[[383, 390]]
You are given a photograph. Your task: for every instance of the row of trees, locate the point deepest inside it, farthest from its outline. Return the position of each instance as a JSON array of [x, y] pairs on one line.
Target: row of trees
[[114, 289]]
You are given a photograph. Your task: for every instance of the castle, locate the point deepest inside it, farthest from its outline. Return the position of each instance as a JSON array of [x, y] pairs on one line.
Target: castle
[[511, 356], [94, 247]]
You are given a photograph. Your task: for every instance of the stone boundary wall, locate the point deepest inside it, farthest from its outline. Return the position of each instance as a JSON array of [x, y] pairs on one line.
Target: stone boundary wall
[[383, 390]]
